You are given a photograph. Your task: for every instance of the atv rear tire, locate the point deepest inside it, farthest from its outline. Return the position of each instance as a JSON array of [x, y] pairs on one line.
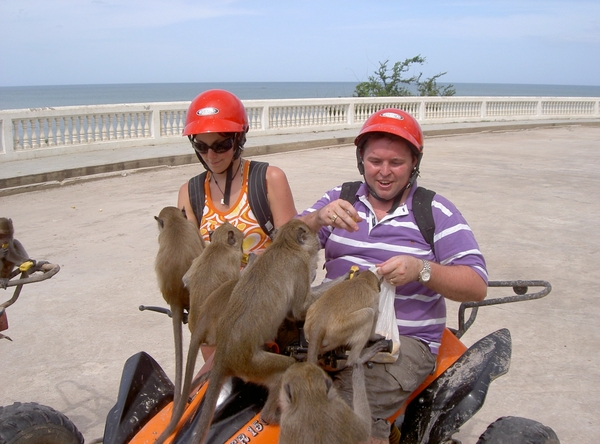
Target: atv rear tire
[[515, 430], [33, 423]]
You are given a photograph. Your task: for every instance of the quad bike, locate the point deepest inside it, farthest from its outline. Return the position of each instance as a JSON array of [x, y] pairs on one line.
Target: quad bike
[[432, 414], [32, 423]]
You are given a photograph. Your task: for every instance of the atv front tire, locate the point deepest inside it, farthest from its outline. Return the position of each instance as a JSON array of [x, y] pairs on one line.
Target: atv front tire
[[515, 430], [33, 423]]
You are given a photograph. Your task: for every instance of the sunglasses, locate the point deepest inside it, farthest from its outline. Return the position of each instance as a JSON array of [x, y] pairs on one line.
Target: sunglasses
[[218, 147]]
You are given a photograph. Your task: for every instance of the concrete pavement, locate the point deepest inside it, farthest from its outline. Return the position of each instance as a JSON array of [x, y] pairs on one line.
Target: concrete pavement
[[530, 195]]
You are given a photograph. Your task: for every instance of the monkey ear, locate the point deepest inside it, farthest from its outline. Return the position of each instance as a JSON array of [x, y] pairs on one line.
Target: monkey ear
[[231, 238], [328, 385], [301, 235], [288, 392], [161, 223]]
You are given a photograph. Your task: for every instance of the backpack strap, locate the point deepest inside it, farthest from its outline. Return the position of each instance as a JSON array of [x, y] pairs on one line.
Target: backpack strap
[[196, 193], [257, 195], [349, 190], [422, 200]]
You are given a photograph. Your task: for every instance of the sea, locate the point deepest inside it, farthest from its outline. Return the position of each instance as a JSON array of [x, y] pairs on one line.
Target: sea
[[23, 97]]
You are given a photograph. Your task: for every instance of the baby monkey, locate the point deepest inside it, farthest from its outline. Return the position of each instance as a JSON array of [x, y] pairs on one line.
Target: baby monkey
[[12, 252]]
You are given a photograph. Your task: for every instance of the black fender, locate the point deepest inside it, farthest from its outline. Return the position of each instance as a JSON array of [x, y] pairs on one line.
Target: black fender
[[457, 394], [144, 391], [239, 402]]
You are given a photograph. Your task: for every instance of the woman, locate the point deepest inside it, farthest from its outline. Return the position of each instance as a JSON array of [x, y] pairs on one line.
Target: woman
[[216, 125]]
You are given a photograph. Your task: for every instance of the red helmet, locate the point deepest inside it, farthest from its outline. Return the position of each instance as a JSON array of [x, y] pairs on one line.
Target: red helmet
[[216, 111], [393, 121]]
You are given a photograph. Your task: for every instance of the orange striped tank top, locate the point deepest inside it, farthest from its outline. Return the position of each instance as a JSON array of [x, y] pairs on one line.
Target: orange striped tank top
[[239, 215]]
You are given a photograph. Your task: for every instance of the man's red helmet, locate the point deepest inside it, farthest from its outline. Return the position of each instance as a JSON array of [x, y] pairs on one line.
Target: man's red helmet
[[398, 123], [393, 121]]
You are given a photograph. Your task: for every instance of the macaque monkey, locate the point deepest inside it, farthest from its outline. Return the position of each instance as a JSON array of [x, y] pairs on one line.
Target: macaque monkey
[[312, 412], [12, 252], [346, 314], [221, 261], [210, 280], [179, 243], [277, 284]]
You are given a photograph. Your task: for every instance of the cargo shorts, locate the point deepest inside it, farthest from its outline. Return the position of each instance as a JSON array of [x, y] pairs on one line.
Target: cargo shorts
[[389, 385]]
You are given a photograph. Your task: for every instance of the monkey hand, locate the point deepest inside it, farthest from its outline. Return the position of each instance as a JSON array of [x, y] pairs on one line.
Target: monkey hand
[[4, 250], [3, 283], [382, 345]]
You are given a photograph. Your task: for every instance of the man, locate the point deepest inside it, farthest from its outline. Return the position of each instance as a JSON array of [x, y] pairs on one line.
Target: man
[[380, 229]]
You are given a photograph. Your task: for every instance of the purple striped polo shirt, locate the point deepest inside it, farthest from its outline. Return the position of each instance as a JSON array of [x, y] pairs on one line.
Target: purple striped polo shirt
[[420, 312]]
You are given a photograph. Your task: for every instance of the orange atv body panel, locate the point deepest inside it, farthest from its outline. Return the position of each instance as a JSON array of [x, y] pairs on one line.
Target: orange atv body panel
[[255, 431]]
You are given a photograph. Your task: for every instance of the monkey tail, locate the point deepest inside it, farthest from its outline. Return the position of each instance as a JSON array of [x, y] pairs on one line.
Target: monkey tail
[[180, 402], [177, 317], [314, 346], [215, 383]]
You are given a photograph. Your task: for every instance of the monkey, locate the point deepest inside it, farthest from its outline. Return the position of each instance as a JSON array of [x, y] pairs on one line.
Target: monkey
[[308, 397], [12, 251], [179, 243], [277, 284], [210, 280], [220, 262], [346, 314]]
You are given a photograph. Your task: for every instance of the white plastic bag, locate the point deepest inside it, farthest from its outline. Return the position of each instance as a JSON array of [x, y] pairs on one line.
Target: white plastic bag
[[386, 321]]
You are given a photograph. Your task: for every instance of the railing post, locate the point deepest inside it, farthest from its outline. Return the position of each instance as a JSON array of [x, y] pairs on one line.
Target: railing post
[[421, 110], [264, 120], [483, 109], [6, 135], [156, 131], [350, 113]]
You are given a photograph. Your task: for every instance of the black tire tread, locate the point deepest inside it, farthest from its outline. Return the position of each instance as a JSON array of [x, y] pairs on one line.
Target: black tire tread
[[516, 430], [33, 423]]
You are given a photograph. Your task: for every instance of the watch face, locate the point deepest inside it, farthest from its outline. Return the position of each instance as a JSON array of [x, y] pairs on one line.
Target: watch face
[[425, 276]]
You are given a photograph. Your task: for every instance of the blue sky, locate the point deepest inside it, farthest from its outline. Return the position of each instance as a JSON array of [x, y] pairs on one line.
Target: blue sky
[[62, 42]]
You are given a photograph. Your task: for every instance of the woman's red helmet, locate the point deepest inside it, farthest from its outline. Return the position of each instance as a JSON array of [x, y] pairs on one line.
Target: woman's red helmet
[[216, 111]]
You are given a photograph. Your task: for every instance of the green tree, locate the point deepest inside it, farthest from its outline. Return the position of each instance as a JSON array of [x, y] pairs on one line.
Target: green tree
[[388, 82], [429, 87]]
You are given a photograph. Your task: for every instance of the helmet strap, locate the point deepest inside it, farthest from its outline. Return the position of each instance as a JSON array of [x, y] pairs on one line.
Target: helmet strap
[[398, 197]]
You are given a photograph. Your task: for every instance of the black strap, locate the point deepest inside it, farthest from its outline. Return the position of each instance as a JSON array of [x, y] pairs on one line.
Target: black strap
[[349, 190], [196, 193], [422, 200], [257, 195]]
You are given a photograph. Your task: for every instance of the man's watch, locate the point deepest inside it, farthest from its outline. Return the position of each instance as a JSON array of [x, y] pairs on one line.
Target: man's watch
[[425, 273]]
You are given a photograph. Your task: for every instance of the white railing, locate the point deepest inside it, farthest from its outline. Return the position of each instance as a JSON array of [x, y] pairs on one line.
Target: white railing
[[29, 133]]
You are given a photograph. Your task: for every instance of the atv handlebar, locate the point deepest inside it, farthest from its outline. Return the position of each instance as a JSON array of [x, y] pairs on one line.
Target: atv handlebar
[[519, 287], [48, 270]]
